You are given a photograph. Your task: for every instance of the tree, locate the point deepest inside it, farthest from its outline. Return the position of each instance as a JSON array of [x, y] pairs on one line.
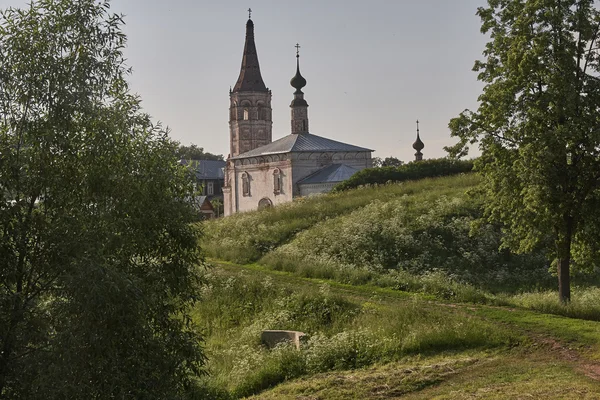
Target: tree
[[193, 152], [218, 206], [98, 258], [537, 126], [391, 162]]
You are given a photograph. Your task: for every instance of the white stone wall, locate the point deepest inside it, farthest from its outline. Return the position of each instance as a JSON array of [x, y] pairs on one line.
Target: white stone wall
[[261, 183], [293, 166]]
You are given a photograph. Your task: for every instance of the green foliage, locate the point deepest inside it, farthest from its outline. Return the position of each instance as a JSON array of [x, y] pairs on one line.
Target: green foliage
[[418, 234], [193, 152], [394, 172], [248, 236], [345, 331], [537, 126], [98, 259], [586, 305], [391, 162]]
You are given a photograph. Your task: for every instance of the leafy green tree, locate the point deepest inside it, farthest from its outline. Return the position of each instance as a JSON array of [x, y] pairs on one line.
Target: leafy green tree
[[193, 152], [537, 126], [391, 162], [98, 259], [376, 162]]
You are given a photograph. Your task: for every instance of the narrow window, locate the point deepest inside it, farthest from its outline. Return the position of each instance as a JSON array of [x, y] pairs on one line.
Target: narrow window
[[245, 185], [276, 181], [246, 114], [210, 189]]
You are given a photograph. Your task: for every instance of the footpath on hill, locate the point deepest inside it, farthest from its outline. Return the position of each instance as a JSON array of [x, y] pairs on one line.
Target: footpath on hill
[[557, 357]]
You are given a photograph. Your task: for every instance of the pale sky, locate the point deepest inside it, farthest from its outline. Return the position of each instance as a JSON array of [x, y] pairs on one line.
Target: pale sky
[[373, 67]]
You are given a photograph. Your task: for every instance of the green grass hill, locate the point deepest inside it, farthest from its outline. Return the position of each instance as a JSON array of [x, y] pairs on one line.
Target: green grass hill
[[402, 293]]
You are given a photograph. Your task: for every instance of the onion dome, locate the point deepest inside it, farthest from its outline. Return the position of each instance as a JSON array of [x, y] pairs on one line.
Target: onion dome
[[298, 81], [418, 144]]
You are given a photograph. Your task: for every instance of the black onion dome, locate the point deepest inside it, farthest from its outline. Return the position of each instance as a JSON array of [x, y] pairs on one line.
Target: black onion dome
[[418, 144], [298, 80]]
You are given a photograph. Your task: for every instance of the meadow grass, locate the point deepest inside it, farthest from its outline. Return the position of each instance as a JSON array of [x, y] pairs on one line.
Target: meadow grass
[[584, 304], [345, 331], [469, 376], [246, 237]]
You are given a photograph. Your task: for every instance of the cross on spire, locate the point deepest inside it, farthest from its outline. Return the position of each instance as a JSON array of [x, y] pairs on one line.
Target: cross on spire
[[249, 13], [297, 46], [417, 126]]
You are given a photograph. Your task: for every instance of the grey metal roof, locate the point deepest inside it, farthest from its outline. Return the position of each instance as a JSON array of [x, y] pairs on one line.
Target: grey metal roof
[[206, 169], [330, 174], [300, 142]]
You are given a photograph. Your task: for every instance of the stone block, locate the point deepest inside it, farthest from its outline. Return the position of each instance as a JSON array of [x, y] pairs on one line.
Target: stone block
[[271, 338]]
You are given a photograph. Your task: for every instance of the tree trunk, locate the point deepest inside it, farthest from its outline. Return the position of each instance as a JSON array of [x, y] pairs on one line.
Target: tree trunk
[[563, 250], [564, 279]]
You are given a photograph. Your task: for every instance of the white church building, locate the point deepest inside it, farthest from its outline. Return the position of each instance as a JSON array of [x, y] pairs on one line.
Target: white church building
[[261, 172]]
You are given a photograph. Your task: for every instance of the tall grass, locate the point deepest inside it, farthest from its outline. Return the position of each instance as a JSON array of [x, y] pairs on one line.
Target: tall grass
[[248, 236], [344, 333], [419, 234], [584, 304]]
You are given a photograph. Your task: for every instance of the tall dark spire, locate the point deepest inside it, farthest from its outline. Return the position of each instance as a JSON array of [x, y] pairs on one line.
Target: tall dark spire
[[418, 145], [299, 106], [250, 79]]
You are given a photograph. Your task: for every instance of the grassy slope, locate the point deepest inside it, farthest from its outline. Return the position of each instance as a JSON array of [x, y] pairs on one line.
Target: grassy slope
[[424, 344], [248, 236], [530, 355]]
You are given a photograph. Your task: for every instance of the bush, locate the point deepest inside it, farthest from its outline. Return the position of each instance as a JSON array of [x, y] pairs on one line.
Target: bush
[[407, 172], [246, 237], [417, 234]]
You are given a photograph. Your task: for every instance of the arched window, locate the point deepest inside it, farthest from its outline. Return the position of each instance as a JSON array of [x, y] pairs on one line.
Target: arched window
[[246, 114], [245, 184], [277, 181], [265, 203]]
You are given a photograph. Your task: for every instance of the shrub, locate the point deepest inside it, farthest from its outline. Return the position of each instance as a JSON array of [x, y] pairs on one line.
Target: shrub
[[407, 172]]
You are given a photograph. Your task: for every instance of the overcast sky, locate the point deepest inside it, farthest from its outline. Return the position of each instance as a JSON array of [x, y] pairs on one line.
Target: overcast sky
[[373, 67]]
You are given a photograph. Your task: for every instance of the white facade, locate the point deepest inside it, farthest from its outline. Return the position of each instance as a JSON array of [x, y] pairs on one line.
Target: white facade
[[261, 173]]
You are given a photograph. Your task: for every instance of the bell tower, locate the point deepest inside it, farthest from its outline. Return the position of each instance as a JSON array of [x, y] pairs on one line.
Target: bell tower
[[299, 106], [250, 123]]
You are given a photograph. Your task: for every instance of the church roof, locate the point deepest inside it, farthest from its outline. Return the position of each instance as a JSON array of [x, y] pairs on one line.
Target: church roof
[[206, 169], [300, 142], [250, 79], [330, 174]]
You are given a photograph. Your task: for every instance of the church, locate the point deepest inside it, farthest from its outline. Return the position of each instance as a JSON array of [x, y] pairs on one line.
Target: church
[[261, 172]]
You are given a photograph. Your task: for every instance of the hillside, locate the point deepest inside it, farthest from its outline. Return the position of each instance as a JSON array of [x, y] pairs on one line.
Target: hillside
[[400, 295], [380, 233]]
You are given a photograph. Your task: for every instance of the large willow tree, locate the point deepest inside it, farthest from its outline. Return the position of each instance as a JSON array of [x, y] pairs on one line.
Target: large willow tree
[[538, 127], [97, 256]]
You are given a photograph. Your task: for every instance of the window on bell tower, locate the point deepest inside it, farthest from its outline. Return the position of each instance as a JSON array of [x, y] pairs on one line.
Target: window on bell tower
[[246, 114]]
